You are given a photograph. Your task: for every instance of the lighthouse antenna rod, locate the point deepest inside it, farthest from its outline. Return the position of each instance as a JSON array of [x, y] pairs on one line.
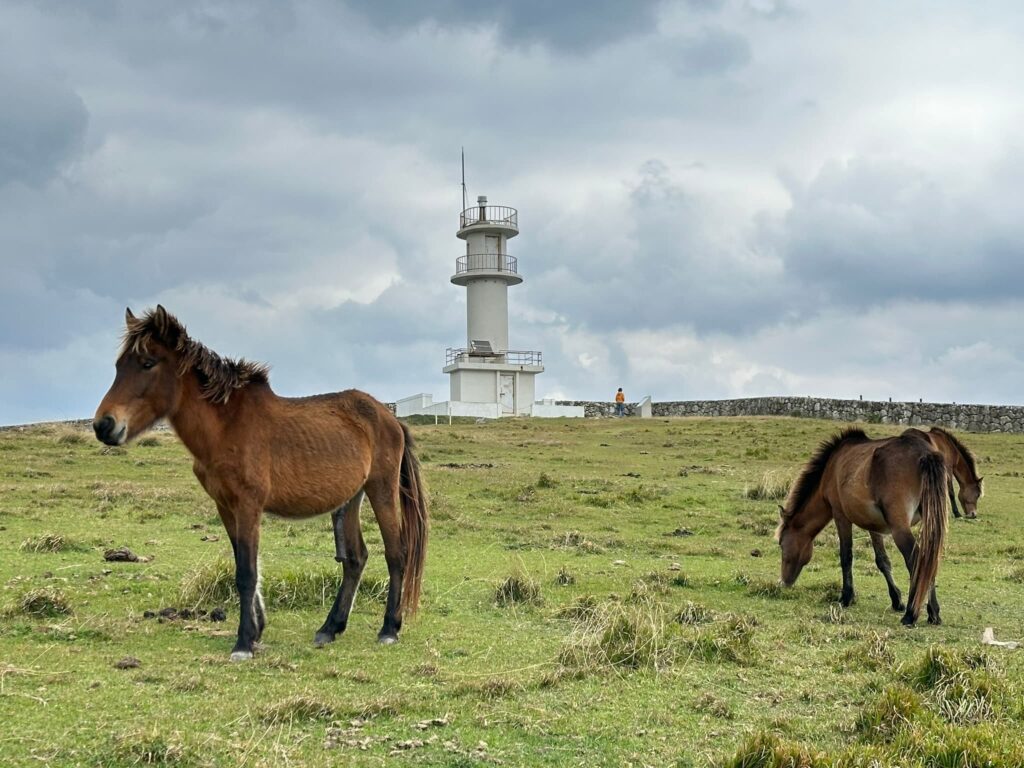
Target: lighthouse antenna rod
[[463, 178]]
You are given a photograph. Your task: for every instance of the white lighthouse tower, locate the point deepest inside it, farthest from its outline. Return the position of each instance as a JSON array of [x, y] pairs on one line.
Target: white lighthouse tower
[[486, 370]]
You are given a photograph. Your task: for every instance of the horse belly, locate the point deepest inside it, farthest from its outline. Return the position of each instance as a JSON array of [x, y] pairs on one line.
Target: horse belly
[[867, 515]]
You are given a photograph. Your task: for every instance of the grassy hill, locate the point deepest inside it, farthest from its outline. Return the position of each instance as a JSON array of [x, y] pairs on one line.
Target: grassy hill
[[597, 593]]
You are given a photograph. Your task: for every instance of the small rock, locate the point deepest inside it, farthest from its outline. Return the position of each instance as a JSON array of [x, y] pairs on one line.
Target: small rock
[[210, 537], [755, 553], [434, 722], [618, 562], [674, 567], [128, 662], [149, 614], [681, 532], [169, 613], [120, 555], [218, 614]]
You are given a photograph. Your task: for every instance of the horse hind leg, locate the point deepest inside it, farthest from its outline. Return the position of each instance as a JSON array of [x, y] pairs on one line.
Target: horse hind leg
[[952, 498], [885, 567], [387, 509], [933, 608], [350, 551], [908, 548]]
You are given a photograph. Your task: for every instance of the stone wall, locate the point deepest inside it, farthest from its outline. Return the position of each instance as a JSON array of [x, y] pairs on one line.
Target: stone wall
[[972, 418]]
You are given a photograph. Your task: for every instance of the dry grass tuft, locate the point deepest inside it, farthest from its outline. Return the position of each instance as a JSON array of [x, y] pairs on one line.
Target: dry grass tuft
[[518, 589], [43, 603], [149, 747], [49, 542], [619, 636], [773, 486], [295, 709]]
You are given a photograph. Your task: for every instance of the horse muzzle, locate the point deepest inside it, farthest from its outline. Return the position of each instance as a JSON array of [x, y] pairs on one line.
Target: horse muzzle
[[108, 430]]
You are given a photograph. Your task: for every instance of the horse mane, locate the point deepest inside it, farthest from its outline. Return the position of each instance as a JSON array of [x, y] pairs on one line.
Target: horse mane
[[810, 477], [218, 376], [965, 452]]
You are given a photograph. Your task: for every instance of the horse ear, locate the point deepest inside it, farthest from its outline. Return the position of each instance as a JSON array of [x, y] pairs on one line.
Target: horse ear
[[160, 318], [128, 316]]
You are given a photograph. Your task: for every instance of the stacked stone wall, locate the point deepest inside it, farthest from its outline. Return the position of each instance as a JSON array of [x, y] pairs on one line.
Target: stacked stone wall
[[972, 418]]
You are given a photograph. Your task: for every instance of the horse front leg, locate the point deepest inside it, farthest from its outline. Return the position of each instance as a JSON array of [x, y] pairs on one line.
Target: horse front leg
[[952, 498], [247, 577], [845, 529], [885, 566], [350, 550]]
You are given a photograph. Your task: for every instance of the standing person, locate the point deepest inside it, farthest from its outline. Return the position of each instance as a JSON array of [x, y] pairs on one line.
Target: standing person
[[620, 403]]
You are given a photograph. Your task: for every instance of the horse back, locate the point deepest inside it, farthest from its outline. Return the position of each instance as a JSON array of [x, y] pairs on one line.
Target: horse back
[[322, 449]]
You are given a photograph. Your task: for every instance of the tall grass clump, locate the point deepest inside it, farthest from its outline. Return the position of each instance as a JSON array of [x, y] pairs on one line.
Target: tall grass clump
[[773, 486], [147, 747], [43, 603], [518, 589], [766, 750], [614, 636], [894, 711], [49, 542], [730, 640], [210, 583], [873, 654], [299, 708], [963, 684], [70, 436]]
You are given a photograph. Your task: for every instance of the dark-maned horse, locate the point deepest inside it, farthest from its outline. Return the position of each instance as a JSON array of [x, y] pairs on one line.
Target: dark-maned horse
[[254, 451], [882, 486], [961, 465]]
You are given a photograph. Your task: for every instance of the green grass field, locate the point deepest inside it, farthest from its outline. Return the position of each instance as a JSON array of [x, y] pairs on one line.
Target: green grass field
[[597, 593]]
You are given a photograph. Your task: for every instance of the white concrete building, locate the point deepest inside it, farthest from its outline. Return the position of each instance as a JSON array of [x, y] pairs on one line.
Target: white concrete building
[[487, 379]]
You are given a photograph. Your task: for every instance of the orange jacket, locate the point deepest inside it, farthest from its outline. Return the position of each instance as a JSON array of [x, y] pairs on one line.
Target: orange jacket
[[620, 397]]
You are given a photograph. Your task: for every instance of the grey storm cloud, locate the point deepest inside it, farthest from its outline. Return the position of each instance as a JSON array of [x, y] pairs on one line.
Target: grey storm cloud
[[576, 25], [43, 127]]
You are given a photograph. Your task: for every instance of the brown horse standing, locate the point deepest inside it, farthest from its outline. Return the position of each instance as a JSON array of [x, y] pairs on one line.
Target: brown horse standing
[[254, 451], [882, 486]]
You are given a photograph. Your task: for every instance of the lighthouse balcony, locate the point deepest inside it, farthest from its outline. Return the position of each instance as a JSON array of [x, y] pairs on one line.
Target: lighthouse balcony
[[490, 215], [493, 266], [484, 354], [487, 262]]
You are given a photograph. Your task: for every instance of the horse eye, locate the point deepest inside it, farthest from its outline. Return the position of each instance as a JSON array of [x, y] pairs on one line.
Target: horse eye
[[148, 363]]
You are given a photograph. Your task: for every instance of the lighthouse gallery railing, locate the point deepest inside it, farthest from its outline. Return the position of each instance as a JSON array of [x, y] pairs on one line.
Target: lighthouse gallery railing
[[509, 357], [486, 262]]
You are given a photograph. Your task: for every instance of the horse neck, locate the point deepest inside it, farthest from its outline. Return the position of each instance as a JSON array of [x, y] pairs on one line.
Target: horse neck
[[815, 514], [957, 463], [197, 422]]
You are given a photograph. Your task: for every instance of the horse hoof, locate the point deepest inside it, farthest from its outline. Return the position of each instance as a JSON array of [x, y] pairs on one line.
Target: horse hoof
[[241, 655], [936, 621], [899, 607], [387, 639], [322, 639], [908, 621]]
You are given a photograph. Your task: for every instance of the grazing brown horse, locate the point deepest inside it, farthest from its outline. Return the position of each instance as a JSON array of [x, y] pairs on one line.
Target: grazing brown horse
[[254, 451], [882, 486], [961, 465]]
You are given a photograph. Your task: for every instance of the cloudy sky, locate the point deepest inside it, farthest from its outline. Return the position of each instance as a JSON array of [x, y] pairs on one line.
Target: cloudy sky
[[717, 198]]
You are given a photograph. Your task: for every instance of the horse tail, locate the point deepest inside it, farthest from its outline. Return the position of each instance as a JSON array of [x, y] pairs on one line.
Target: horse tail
[[933, 527], [414, 524]]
